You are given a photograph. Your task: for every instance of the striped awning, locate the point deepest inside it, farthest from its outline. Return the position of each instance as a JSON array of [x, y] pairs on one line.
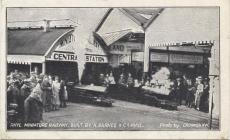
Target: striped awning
[[25, 59]]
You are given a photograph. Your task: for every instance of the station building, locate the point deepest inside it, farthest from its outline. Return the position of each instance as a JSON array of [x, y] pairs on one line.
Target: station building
[[46, 50], [186, 40]]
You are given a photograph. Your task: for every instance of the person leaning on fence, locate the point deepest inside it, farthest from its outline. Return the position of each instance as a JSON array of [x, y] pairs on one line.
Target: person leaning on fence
[[199, 92]]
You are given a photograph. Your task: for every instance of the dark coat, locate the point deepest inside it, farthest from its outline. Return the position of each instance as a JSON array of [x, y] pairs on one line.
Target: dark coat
[[12, 95], [47, 93], [130, 82], [33, 110], [101, 81], [62, 91], [122, 81]]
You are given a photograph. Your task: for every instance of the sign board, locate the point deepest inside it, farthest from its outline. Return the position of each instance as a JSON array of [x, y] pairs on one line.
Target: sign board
[[64, 56], [96, 58], [158, 57], [138, 56], [125, 47], [186, 59]]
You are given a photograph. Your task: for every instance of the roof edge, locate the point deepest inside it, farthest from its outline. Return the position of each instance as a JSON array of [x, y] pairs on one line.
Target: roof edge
[[146, 25], [115, 39], [130, 16], [103, 19], [50, 48]]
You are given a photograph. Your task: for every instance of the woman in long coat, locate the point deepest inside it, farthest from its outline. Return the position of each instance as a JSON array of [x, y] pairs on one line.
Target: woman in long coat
[[56, 89], [33, 105], [46, 96], [62, 94]]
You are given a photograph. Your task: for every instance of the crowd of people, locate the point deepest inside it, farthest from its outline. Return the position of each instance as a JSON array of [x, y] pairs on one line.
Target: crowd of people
[[188, 91], [31, 95]]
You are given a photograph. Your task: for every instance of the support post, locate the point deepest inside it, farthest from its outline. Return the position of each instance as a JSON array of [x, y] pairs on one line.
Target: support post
[[44, 68], [30, 68], [211, 90]]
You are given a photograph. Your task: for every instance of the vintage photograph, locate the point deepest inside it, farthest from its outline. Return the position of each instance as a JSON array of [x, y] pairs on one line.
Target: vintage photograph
[[113, 68]]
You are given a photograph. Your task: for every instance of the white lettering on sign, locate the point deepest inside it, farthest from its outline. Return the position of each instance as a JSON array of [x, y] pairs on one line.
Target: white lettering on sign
[[186, 59], [63, 56], [96, 59], [158, 57]]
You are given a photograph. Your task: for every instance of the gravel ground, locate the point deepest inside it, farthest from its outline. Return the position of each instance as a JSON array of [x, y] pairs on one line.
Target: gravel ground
[[126, 116]]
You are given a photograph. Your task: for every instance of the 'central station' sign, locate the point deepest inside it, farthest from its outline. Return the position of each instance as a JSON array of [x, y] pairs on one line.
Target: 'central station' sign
[[60, 56], [96, 58]]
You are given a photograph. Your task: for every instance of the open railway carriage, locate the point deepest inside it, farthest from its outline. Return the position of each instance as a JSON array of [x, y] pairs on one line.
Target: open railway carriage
[[90, 94]]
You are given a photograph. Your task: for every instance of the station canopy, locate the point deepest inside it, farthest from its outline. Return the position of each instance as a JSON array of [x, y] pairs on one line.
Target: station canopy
[[31, 45]]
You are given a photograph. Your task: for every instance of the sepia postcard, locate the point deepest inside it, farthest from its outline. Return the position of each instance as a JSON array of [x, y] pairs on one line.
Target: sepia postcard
[[114, 70]]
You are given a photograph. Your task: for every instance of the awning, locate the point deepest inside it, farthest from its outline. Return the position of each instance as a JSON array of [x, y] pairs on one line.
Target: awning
[[110, 38], [25, 59]]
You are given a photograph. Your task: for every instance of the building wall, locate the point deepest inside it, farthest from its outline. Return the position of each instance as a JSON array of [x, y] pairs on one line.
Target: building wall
[[117, 21], [177, 25]]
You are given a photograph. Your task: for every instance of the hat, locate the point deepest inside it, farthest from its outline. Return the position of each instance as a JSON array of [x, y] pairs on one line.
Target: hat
[[11, 82], [178, 79], [39, 80], [199, 77], [206, 79], [27, 80]]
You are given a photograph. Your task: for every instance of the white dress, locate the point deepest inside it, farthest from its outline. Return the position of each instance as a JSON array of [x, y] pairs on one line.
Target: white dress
[[55, 90]]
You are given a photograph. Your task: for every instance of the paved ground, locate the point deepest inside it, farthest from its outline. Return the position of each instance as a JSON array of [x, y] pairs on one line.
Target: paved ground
[[126, 116]]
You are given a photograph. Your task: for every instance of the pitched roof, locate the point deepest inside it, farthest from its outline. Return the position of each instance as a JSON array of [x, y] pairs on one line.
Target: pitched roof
[[142, 16], [110, 38], [33, 41]]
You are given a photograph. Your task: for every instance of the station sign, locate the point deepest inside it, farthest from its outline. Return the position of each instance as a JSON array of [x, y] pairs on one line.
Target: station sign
[[96, 58], [64, 56]]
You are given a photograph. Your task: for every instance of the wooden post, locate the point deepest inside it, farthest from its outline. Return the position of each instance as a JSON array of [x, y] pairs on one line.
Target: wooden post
[[44, 68], [30, 68]]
